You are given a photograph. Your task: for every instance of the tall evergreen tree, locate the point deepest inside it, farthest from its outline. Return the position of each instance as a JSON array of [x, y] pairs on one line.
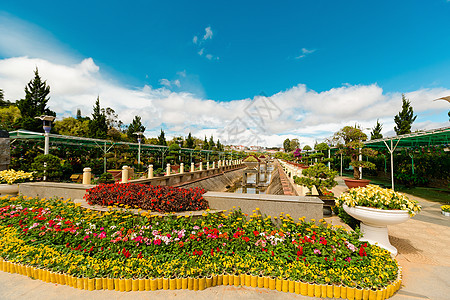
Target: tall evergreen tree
[[135, 126], [190, 141], [404, 119], [205, 144], [34, 104], [376, 131], [97, 126], [211, 143], [219, 145], [162, 139]]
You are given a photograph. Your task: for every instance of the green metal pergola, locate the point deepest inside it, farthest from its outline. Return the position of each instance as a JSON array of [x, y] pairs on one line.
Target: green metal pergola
[[104, 145], [422, 138], [433, 137]]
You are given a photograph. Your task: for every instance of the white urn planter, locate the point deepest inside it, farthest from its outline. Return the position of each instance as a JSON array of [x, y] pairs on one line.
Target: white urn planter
[[9, 189], [374, 224]]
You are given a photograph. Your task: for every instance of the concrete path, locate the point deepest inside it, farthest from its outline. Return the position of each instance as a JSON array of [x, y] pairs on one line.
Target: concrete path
[[423, 244]]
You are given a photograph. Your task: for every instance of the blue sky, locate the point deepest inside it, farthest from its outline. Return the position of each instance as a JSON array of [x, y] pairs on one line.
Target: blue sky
[[219, 56]]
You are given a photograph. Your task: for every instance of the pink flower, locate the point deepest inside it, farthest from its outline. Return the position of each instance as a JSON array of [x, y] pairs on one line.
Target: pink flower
[[86, 237], [102, 235], [317, 251], [157, 242], [348, 259]]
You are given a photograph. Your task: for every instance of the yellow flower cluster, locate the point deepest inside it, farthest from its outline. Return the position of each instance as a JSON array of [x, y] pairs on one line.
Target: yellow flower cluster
[[377, 197], [445, 208], [11, 176]]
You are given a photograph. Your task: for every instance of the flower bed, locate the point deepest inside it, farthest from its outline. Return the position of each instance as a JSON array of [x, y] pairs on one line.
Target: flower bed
[[154, 198], [62, 237], [377, 197]]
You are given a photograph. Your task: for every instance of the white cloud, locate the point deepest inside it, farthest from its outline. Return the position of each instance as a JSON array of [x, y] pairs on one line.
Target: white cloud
[[305, 114], [201, 51], [305, 52], [195, 39], [208, 33], [209, 56]]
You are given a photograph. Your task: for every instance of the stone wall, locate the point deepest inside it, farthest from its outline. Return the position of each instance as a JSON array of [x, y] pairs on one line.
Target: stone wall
[[5, 155], [270, 205]]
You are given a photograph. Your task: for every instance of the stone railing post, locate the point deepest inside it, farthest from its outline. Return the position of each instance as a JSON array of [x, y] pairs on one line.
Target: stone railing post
[[124, 174], [214, 165], [150, 171], [192, 167], [201, 166], [181, 168], [207, 165], [87, 175], [168, 170]]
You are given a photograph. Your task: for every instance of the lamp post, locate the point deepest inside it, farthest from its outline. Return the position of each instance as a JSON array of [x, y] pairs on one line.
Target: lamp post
[[47, 125], [139, 135]]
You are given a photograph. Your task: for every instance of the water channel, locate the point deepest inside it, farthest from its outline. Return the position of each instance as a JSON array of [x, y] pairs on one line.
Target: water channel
[[251, 180]]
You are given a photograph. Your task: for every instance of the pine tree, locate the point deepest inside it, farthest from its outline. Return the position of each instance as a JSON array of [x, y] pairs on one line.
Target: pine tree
[[405, 118], [190, 141], [162, 139], [135, 126], [219, 146], [78, 114], [205, 144], [211, 143], [34, 104], [376, 131], [97, 126]]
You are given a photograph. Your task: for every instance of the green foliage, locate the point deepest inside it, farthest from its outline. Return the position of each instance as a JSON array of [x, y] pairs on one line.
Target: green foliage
[[410, 180], [135, 126], [376, 131], [211, 143], [317, 175], [73, 127], [205, 144], [287, 145], [189, 142], [404, 119], [350, 140], [307, 148], [97, 126], [106, 178], [321, 147], [53, 169], [9, 115], [34, 104], [162, 139]]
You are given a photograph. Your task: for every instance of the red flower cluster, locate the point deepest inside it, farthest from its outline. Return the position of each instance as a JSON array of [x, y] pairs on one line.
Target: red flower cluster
[[153, 198]]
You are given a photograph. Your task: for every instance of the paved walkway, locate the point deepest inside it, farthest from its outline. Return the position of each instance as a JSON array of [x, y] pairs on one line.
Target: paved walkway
[[423, 244]]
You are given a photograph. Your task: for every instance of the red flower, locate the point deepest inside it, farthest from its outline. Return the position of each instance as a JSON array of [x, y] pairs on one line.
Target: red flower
[[300, 251], [362, 252], [245, 238], [256, 233]]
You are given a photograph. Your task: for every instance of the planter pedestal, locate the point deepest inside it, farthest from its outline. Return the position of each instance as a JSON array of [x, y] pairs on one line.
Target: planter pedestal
[[377, 235], [374, 224]]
